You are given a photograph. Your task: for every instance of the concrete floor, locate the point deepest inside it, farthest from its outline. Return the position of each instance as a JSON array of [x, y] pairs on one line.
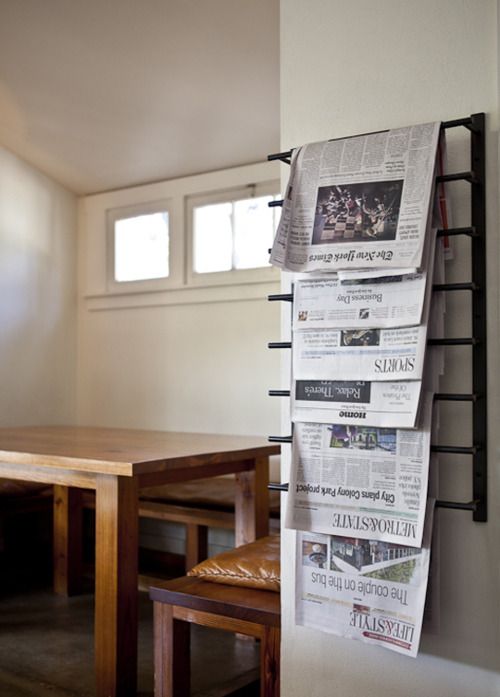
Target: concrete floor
[[46, 645], [46, 650]]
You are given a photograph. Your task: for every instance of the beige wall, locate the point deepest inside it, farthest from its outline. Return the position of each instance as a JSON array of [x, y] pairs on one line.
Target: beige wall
[[352, 68], [37, 297], [181, 359]]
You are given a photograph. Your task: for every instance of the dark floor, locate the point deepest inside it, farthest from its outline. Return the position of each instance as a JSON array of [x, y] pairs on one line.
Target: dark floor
[[46, 642]]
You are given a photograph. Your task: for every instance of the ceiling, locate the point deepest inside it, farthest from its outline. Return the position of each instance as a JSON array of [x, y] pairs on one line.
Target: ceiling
[[104, 94]]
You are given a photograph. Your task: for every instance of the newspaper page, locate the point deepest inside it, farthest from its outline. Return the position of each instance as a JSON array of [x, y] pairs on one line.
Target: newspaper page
[[359, 304], [359, 354], [359, 202], [364, 481], [367, 590], [362, 352], [392, 404]]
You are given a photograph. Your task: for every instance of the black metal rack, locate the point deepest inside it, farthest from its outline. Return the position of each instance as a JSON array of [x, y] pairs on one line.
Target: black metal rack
[[475, 177]]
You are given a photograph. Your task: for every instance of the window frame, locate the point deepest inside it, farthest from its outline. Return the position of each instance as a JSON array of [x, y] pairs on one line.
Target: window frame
[[228, 195], [174, 278]]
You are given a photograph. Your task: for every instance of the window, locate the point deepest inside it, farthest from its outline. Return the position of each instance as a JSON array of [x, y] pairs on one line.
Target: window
[[141, 247], [139, 254], [230, 234], [186, 240]]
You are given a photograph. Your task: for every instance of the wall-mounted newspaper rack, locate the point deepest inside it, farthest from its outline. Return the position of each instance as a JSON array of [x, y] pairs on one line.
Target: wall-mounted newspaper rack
[[475, 177]]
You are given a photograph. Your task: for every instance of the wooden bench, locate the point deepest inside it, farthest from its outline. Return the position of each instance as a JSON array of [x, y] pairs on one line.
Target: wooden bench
[[18, 498], [189, 600], [238, 591], [199, 505]]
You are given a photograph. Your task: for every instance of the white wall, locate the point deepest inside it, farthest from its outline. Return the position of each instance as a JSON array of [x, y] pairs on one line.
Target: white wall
[[351, 68], [37, 297], [182, 359]]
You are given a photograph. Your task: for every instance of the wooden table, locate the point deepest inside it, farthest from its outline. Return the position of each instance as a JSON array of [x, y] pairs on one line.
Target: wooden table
[[117, 463]]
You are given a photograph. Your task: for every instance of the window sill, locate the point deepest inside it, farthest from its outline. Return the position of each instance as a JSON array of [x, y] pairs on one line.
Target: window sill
[[185, 295]]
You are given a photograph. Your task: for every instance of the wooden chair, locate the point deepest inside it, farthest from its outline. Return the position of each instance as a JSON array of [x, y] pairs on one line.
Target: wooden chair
[[189, 600]]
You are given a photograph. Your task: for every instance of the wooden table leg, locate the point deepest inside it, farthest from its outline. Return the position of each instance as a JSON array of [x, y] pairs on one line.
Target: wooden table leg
[[252, 503], [68, 542], [116, 586]]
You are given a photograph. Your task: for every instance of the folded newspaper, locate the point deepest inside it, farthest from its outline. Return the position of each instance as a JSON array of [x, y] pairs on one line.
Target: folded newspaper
[[373, 303], [360, 354], [364, 589], [392, 404], [364, 402], [359, 202], [363, 481], [357, 310], [330, 344]]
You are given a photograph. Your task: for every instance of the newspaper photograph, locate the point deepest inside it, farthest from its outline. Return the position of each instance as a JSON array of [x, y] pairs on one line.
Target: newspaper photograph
[[433, 223], [368, 590], [358, 202], [361, 480], [359, 304], [392, 404]]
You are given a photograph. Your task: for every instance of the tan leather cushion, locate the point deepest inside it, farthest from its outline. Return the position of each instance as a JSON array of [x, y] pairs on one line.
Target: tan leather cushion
[[12, 487], [214, 492], [255, 565]]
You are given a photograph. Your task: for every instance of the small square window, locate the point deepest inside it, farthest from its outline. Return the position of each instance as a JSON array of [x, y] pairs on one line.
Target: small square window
[[233, 235], [141, 247]]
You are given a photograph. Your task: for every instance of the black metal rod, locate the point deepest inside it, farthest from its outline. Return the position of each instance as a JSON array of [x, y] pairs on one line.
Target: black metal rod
[[465, 341], [277, 486], [279, 439], [455, 286], [438, 396], [455, 449], [469, 285], [283, 156], [454, 231], [451, 397], [457, 176], [458, 505], [275, 204], [287, 297], [466, 121]]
